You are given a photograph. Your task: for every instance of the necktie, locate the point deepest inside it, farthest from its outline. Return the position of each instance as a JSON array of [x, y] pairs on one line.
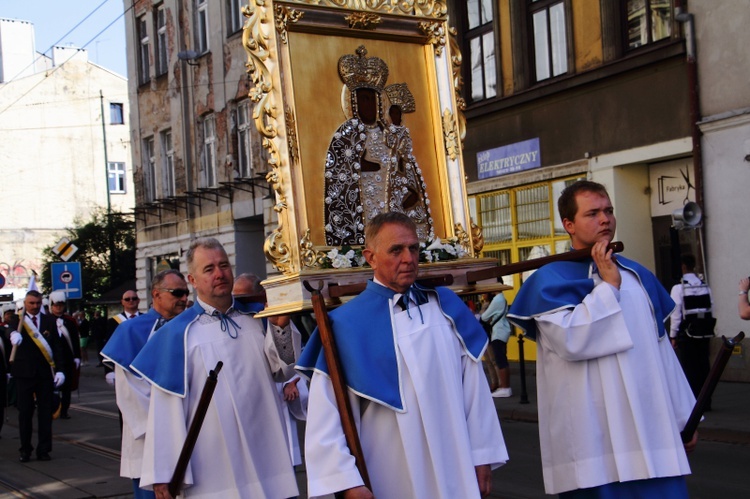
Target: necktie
[[160, 323], [401, 302], [132, 316], [33, 319]]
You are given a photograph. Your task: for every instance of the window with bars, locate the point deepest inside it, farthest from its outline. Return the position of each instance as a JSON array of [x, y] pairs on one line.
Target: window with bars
[[209, 151], [522, 222], [550, 38], [234, 11], [162, 58], [482, 78], [201, 26], [144, 72], [167, 154], [648, 21], [149, 169]]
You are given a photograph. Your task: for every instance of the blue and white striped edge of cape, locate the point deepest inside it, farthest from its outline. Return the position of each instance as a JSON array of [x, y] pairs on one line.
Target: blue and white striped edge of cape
[[128, 340], [163, 359], [563, 285], [367, 347]]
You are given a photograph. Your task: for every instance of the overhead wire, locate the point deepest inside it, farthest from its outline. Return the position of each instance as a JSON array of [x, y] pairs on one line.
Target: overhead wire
[[55, 68], [51, 47]]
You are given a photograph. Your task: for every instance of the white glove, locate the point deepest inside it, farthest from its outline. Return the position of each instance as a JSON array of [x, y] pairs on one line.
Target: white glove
[[59, 379], [110, 377], [77, 362], [16, 338]]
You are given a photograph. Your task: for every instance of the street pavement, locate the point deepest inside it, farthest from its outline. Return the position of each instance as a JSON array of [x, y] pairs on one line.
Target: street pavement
[[85, 454]]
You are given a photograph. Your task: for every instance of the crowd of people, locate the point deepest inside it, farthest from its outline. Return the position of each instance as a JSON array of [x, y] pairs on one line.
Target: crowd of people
[[612, 395]]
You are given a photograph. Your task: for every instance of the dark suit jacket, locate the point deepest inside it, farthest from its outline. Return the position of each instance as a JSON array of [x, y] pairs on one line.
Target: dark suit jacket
[[29, 361], [5, 363], [75, 340]]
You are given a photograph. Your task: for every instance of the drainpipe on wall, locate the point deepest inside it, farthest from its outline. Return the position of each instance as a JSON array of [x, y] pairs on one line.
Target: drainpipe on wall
[[688, 20]]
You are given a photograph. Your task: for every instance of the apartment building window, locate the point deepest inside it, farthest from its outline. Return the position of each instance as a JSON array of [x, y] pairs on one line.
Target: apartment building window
[[209, 151], [201, 26], [167, 154], [116, 116], [479, 42], [116, 177], [149, 169], [144, 74], [162, 60], [648, 21], [244, 145], [234, 10], [550, 38]]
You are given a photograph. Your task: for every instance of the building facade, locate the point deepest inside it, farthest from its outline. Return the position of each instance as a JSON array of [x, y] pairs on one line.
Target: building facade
[[558, 90], [723, 71], [65, 146], [199, 164]]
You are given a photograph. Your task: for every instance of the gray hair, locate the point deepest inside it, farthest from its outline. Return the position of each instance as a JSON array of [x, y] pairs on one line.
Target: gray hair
[[255, 286], [159, 278], [205, 243]]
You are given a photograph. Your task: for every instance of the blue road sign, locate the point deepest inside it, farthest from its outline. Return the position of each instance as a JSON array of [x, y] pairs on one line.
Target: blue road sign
[[67, 277]]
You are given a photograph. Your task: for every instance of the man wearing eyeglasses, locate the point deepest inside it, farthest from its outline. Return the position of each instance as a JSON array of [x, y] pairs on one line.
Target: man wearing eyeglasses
[[169, 292], [130, 302]]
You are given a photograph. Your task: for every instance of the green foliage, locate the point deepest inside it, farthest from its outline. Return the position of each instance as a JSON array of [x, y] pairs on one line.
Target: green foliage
[[93, 241]]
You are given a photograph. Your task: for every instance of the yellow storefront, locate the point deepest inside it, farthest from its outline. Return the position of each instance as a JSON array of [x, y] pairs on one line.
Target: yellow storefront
[[518, 224]]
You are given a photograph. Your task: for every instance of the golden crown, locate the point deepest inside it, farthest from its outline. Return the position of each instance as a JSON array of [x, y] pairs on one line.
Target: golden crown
[[358, 71], [399, 95]]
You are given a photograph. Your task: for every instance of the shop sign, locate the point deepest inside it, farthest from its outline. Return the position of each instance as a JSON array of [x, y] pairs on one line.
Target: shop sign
[[512, 158]]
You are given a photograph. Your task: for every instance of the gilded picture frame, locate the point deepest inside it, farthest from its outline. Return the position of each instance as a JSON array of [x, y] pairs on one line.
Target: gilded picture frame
[[293, 49]]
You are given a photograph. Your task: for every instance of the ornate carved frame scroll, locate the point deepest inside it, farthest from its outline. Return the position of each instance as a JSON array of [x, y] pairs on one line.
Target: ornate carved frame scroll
[[292, 48]]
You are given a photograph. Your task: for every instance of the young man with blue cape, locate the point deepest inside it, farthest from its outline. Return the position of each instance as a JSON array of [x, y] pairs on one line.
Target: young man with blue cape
[[611, 394]]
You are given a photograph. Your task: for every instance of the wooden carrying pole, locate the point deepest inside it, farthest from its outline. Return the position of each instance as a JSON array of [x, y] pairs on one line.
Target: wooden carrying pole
[[518, 267], [175, 484], [14, 348], [338, 381], [710, 385]]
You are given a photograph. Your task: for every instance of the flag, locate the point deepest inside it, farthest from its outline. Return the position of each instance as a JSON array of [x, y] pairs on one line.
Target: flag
[[32, 282]]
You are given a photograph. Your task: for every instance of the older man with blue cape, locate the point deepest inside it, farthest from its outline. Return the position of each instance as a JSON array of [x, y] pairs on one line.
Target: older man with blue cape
[[421, 403]]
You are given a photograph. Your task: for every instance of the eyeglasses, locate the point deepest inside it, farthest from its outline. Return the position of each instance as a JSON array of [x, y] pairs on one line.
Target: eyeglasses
[[177, 293], [131, 298]]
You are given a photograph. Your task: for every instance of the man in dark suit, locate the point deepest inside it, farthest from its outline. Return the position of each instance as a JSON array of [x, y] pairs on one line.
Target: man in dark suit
[[67, 329], [4, 362], [37, 366]]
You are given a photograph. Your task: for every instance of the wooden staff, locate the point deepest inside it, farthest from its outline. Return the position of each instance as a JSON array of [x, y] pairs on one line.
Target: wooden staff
[[518, 267], [710, 385], [14, 348], [175, 484], [338, 381]]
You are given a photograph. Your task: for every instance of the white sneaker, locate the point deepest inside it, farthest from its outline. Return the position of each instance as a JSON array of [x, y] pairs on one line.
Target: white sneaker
[[502, 393]]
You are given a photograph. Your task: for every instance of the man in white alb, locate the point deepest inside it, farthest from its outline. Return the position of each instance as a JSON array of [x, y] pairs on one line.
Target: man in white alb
[[426, 419], [241, 450]]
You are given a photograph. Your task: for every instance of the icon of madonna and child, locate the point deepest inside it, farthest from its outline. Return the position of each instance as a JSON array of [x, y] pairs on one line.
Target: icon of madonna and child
[[370, 166]]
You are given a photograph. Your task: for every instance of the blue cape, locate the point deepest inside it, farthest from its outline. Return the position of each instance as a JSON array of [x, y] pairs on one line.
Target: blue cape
[[563, 285], [163, 359], [128, 339], [364, 339]]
